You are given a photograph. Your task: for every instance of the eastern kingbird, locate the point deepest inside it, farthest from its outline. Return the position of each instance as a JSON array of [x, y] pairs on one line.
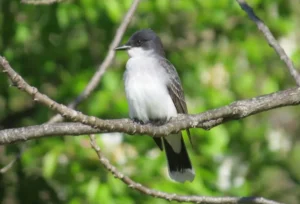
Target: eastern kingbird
[[154, 93]]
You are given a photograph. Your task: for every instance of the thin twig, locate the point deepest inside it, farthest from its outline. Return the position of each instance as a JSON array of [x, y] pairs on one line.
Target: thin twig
[[93, 83], [12, 162], [38, 2], [271, 40], [172, 197]]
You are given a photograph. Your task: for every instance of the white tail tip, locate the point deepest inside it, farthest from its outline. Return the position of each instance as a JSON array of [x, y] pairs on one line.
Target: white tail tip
[[185, 175]]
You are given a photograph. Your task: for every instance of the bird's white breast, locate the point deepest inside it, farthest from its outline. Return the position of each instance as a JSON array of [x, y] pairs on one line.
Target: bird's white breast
[[146, 89]]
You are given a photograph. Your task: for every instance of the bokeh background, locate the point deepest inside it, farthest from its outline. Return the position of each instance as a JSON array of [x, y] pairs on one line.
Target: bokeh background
[[220, 56]]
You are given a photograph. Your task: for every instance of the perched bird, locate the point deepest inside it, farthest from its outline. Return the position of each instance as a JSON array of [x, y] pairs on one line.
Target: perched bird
[[154, 93]]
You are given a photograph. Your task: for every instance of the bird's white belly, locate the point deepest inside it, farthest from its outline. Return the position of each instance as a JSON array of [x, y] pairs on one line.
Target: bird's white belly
[[146, 91]]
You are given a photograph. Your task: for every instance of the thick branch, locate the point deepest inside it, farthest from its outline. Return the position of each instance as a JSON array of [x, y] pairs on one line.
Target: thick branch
[[95, 80], [235, 110], [271, 40], [206, 120]]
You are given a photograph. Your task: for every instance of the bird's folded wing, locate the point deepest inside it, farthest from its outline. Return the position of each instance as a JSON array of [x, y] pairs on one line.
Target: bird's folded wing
[[175, 89]]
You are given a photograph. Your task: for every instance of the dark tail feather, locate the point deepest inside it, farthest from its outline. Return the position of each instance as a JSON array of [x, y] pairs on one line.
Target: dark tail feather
[[158, 141], [180, 167]]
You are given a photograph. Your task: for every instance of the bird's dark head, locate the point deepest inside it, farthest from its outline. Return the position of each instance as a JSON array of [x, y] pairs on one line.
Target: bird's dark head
[[143, 42]]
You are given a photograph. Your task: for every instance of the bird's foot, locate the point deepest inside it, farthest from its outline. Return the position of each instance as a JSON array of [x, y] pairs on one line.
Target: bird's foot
[[138, 121], [158, 122], [155, 122]]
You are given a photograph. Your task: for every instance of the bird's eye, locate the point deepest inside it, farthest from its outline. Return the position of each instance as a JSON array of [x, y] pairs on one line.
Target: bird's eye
[[139, 42]]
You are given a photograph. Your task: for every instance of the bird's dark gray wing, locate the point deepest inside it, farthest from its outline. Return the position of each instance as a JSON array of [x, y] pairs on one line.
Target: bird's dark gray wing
[[175, 89]]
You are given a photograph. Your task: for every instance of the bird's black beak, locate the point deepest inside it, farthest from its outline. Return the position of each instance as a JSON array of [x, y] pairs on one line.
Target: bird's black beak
[[123, 47]]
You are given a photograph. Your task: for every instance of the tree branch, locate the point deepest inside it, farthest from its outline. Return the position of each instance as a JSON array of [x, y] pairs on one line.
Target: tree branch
[[172, 197], [12, 162], [95, 80], [237, 110], [271, 40], [37, 2]]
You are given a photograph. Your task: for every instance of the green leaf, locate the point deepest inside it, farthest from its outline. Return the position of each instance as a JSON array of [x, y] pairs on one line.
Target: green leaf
[[92, 188], [49, 164]]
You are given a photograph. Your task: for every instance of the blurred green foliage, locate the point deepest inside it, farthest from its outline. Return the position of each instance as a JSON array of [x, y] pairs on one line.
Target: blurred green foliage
[[220, 56]]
